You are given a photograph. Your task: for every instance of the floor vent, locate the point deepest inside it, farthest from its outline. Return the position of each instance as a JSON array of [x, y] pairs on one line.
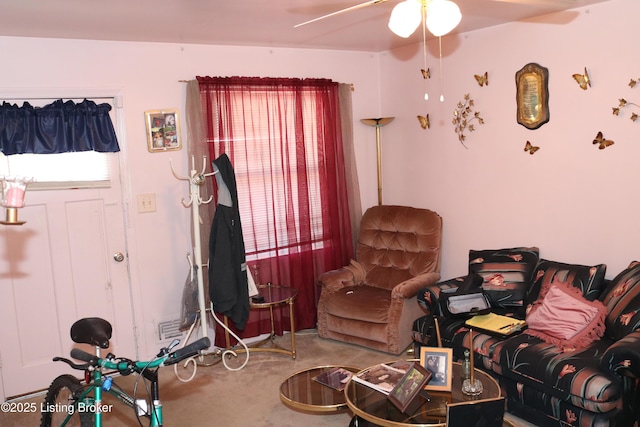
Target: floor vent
[[169, 329]]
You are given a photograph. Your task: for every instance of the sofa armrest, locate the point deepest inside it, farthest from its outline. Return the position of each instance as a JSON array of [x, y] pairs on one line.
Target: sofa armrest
[[623, 357], [409, 288], [350, 275]]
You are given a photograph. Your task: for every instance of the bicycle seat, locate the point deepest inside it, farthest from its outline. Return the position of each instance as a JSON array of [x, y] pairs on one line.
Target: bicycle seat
[[91, 330]]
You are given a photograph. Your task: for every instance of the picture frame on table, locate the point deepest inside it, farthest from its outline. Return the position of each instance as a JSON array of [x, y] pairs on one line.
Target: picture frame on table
[[438, 361], [404, 394], [163, 130]]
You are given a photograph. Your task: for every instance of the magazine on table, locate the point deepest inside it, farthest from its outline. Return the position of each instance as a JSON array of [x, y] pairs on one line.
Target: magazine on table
[[383, 377], [336, 378]]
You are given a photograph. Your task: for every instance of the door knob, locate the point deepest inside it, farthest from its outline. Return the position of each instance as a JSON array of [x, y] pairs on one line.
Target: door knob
[[118, 256]]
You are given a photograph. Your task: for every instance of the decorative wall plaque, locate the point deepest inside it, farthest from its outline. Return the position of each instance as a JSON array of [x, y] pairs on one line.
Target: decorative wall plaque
[[532, 95]]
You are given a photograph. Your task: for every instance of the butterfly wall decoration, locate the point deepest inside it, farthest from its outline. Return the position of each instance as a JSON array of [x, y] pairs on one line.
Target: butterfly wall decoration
[[602, 142], [530, 148], [583, 79], [424, 122], [426, 74], [482, 79]]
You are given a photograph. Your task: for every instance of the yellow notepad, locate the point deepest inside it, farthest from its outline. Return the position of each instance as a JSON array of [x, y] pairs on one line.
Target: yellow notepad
[[497, 323]]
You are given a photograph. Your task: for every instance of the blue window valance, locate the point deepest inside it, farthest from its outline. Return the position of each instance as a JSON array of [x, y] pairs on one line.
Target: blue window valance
[[59, 127]]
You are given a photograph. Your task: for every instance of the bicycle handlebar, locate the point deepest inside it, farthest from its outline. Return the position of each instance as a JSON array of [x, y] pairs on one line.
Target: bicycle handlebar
[[187, 351], [166, 360], [76, 353]]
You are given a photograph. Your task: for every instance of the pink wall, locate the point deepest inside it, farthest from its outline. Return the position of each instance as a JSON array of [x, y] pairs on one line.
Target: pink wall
[[575, 202], [147, 76]]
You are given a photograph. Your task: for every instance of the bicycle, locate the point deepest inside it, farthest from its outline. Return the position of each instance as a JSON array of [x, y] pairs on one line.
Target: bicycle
[[69, 402]]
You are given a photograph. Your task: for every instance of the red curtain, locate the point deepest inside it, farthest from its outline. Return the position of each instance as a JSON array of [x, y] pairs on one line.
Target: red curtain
[[283, 137]]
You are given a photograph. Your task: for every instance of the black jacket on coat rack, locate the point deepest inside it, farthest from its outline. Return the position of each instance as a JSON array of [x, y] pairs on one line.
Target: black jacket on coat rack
[[227, 260]]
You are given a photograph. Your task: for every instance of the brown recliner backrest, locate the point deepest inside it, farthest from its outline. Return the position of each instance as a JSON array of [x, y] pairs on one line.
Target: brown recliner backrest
[[397, 243]]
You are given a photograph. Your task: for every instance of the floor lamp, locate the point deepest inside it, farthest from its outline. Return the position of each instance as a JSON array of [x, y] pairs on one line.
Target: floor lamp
[[378, 123]]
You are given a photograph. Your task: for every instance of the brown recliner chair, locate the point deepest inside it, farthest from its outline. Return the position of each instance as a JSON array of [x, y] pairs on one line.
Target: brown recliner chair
[[372, 302]]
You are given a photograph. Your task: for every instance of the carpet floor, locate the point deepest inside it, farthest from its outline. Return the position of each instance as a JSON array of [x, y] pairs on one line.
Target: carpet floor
[[247, 397]]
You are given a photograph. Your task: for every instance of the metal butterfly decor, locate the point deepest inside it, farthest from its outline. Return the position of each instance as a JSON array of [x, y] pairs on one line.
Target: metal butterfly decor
[[602, 142], [424, 122], [426, 74], [583, 79], [530, 148], [482, 79]]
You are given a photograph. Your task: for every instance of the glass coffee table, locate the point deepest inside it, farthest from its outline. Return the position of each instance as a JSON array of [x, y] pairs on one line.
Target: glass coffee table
[[301, 392], [372, 408]]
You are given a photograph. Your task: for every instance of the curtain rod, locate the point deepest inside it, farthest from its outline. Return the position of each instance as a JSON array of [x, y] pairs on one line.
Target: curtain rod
[[353, 87]]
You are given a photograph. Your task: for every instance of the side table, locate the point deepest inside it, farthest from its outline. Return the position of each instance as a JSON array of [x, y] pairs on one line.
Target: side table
[[274, 296]]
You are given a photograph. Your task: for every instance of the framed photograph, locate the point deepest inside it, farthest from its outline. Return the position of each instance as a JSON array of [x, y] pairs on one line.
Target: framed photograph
[[532, 95], [163, 130], [409, 387], [438, 361]]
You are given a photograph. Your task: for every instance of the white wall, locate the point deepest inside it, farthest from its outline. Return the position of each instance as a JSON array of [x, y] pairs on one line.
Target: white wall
[[148, 75], [575, 202]]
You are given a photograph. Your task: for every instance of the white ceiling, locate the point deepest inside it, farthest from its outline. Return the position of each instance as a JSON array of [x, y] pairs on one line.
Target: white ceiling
[[250, 22]]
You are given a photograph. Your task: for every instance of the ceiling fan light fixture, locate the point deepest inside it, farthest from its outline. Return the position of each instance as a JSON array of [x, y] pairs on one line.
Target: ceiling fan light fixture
[[406, 18], [442, 17]]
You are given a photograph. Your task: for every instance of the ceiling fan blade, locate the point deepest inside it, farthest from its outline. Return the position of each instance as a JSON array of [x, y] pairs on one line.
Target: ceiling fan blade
[[349, 9], [558, 3]]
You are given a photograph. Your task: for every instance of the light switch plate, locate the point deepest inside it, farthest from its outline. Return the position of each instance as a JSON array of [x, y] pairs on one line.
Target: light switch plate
[[146, 202]]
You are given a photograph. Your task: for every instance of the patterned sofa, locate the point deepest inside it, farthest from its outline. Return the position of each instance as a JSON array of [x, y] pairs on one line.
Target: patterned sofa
[[577, 363]]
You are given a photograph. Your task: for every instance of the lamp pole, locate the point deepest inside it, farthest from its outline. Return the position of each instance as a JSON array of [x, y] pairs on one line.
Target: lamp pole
[[378, 123]]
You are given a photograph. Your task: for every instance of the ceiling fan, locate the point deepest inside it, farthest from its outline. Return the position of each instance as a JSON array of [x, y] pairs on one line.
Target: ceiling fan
[[439, 16]]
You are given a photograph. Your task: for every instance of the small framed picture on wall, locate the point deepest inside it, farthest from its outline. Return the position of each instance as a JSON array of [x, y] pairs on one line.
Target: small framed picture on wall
[[163, 130]]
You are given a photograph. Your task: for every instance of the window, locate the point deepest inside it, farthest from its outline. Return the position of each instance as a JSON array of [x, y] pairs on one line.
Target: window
[[58, 171], [268, 175], [81, 169]]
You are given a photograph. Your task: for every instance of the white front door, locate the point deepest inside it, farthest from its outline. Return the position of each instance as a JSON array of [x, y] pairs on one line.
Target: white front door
[[57, 268]]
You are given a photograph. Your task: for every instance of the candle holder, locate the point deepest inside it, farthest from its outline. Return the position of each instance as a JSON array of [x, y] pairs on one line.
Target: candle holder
[[472, 386], [13, 190]]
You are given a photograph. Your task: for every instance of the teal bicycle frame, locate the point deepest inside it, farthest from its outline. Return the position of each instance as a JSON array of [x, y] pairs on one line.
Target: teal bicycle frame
[[91, 398], [98, 383]]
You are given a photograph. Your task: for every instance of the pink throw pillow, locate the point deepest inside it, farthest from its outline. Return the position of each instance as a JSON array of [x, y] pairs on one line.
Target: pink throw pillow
[[564, 318]]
